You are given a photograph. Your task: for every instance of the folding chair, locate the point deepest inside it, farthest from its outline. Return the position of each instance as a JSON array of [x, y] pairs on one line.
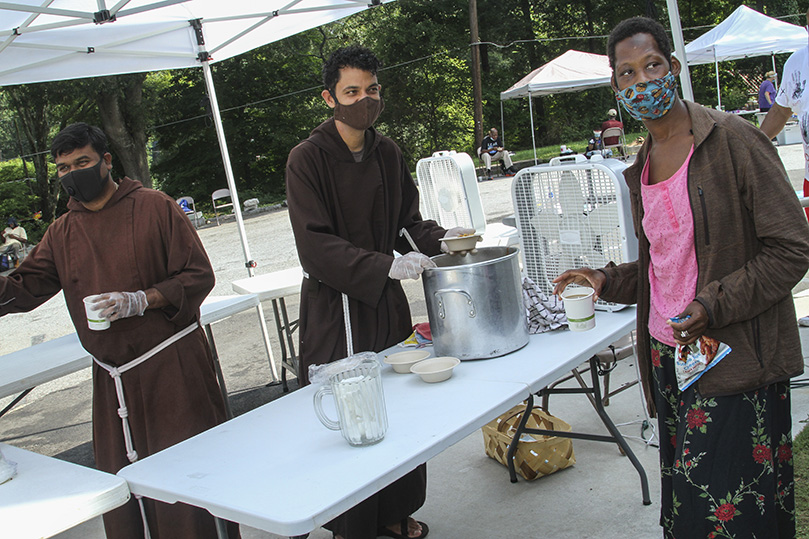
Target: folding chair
[[192, 213], [219, 194], [612, 132]]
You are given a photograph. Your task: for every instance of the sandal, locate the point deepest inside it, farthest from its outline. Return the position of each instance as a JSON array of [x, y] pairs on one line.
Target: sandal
[[385, 532]]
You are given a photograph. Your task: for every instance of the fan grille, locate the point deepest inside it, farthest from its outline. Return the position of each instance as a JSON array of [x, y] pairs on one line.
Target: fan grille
[[442, 196], [569, 218]]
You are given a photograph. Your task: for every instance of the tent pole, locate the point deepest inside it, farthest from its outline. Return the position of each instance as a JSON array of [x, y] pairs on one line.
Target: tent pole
[[679, 47], [502, 123], [618, 107], [716, 69], [533, 136], [773, 68], [234, 196]]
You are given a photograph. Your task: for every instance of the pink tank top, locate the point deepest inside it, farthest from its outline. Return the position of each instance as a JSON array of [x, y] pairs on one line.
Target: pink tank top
[[669, 226]]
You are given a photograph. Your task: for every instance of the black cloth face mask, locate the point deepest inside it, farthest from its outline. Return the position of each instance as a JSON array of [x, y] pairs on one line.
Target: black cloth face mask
[[360, 115], [84, 184]]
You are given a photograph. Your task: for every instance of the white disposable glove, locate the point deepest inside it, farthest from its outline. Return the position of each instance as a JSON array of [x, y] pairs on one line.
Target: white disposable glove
[[409, 266], [454, 233], [117, 305]]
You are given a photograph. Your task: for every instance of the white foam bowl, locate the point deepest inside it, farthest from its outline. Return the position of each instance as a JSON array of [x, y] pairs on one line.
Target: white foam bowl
[[436, 369], [461, 243], [402, 361]]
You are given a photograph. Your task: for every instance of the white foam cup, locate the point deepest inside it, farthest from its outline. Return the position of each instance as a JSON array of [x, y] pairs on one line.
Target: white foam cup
[[579, 308], [94, 319]]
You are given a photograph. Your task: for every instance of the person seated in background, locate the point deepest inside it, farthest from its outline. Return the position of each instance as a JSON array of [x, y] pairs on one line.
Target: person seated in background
[[492, 149], [611, 122], [13, 238], [766, 92]]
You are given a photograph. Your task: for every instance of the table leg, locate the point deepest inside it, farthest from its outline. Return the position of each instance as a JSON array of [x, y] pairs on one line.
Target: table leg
[[286, 329], [267, 345], [615, 434], [17, 399], [218, 369]]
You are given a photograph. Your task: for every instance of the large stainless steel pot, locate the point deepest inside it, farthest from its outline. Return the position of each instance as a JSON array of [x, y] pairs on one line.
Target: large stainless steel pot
[[474, 303]]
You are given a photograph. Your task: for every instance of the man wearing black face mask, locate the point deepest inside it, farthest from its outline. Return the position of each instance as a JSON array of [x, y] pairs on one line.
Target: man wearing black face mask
[[349, 194], [134, 249]]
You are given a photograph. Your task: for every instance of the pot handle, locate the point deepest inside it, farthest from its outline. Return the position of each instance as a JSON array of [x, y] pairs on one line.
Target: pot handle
[[472, 311]]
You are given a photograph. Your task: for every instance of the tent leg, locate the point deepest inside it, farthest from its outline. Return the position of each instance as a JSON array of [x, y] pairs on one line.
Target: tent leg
[[718, 92], [234, 196], [679, 47], [223, 147], [502, 123], [533, 135]]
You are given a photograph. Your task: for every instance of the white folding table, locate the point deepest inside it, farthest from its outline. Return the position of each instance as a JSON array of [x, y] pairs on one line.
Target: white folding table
[[49, 496], [25, 369], [231, 470], [276, 287]]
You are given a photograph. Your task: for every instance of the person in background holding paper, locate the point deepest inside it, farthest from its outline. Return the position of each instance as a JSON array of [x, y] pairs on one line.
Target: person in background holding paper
[[349, 193], [721, 244], [136, 249]]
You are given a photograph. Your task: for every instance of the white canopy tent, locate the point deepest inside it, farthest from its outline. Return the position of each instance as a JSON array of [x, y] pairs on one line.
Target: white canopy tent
[[745, 33], [50, 40], [573, 71]]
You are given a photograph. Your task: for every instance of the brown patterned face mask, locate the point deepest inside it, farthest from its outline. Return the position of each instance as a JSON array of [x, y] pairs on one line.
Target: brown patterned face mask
[[360, 115]]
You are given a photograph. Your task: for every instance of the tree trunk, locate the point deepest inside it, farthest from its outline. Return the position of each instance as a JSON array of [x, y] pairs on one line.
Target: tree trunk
[[120, 105]]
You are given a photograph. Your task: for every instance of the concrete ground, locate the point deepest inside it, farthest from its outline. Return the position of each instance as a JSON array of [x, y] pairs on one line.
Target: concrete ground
[[469, 495]]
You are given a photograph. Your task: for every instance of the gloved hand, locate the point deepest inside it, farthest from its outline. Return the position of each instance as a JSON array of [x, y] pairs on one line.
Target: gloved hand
[[117, 305], [409, 266], [454, 233]]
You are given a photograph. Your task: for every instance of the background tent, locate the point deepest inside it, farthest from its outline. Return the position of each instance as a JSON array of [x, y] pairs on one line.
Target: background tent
[[745, 33], [69, 39], [573, 71]]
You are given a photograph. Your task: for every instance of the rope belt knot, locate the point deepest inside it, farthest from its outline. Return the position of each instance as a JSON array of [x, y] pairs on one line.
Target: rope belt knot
[[123, 412]]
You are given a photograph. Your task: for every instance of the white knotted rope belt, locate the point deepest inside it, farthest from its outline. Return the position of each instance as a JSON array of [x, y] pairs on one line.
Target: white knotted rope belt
[[115, 373], [346, 321]]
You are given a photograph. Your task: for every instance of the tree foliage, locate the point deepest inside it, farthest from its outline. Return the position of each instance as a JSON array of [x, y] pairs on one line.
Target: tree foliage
[[270, 97]]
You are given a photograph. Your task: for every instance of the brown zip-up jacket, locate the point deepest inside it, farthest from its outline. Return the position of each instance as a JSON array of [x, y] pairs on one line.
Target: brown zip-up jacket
[[752, 246]]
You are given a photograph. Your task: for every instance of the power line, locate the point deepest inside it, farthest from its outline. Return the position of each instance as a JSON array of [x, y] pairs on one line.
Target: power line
[[408, 62]]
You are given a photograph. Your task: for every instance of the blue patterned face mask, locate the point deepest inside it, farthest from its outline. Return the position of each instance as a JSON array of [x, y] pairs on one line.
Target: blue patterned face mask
[[649, 100]]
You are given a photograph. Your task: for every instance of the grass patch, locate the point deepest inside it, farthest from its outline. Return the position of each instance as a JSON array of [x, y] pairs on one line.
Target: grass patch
[[800, 455], [544, 153]]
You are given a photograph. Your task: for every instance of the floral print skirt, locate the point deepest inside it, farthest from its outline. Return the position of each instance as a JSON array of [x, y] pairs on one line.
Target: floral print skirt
[[726, 462]]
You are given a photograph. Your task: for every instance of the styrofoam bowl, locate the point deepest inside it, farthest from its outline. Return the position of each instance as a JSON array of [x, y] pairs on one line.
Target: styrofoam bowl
[[436, 369], [402, 361], [462, 243]]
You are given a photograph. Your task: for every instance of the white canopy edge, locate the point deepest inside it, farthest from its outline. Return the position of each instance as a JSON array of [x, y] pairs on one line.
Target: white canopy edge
[[573, 71]]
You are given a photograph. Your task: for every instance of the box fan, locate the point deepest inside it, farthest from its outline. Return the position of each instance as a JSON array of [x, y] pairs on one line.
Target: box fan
[[573, 214], [448, 194]]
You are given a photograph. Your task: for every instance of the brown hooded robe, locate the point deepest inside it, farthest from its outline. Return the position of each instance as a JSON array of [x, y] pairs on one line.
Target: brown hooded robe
[[346, 216], [140, 239]]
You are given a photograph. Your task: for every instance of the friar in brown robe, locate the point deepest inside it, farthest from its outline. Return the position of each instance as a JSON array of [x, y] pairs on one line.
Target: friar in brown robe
[[349, 193], [138, 239]]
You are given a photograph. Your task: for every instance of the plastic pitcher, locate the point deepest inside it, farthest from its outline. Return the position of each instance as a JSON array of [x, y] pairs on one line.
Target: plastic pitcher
[[360, 404]]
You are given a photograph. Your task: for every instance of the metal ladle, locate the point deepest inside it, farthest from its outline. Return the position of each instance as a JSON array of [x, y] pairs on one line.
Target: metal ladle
[[406, 234]]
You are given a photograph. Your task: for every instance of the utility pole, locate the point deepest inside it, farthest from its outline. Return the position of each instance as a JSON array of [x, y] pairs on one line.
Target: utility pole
[[477, 86]]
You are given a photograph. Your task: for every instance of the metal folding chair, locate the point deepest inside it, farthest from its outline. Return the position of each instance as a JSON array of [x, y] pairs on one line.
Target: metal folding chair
[[220, 194]]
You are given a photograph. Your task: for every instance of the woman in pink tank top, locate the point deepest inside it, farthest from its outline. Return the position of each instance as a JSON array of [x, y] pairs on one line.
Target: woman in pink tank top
[[722, 241]]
